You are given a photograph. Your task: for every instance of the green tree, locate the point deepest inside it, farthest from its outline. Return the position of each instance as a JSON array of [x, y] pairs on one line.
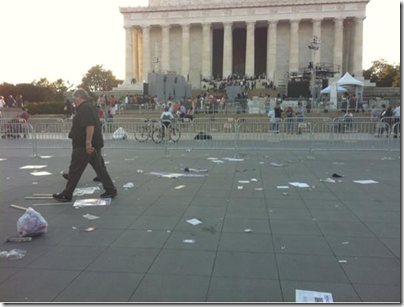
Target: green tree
[[382, 73], [99, 79], [397, 78], [54, 90]]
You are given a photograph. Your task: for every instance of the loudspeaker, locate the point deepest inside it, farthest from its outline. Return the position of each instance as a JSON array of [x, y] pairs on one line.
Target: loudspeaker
[[145, 88]]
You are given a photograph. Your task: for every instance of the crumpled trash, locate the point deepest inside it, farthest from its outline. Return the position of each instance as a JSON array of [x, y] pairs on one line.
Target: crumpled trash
[[90, 217], [328, 180], [84, 191], [129, 185], [31, 224], [195, 170], [120, 134], [140, 171], [194, 221], [13, 254], [335, 175], [276, 164]]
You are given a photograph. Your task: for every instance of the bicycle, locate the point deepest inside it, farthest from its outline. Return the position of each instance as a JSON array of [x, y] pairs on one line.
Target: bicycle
[[143, 133], [158, 134]]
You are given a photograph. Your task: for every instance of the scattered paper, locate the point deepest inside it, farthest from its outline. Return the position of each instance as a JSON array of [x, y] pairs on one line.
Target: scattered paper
[[179, 187], [149, 230], [248, 230], [85, 191], [3, 159], [140, 171], [46, 157], [254, 180], [217, 161], [130, 159], [299, 184], [338, 163], [90, 217], [282, 187], [345, 243], [365, 181], [258, 189], [33, 166], [311, 158], [284, 193], [107, 162], [211, 158], [195, 170], [387, 158], [89, 229], [41, 173], [342, 261], [174, 175], [261, 163], [188, 241], [35, 183], [327, 180], [128, 185], [244, 181], [240, 187], [303, 296], [92, 202], [276, 164], [194, 222]]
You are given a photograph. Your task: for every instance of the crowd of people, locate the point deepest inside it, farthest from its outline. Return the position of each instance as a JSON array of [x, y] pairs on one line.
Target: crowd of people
[[238, 79], [10, 102]]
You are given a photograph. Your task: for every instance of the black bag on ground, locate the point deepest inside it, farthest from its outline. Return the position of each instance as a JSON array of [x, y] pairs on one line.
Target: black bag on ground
[[202, 136]]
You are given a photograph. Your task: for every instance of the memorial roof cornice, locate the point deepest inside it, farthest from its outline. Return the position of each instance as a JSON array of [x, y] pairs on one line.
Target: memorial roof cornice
[[231, 4]]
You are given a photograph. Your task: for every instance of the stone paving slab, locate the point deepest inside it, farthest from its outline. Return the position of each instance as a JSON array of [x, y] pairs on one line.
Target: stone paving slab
[[343, 238]]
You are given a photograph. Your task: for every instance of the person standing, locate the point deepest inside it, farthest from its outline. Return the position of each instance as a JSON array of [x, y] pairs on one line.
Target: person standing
[[87, 142], [397, 120], [299, 115], [374, 117], [10, 101], [278, 116], [289, 119], [2, 102]]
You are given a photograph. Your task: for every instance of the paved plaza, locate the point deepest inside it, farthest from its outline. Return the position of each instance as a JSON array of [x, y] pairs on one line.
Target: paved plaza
[[341, 238]]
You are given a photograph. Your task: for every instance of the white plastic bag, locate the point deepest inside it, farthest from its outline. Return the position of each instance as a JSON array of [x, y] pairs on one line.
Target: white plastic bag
[[120, 134], [31, 224]]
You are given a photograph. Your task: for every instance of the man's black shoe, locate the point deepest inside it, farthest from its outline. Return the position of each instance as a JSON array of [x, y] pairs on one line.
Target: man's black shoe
[[110, 194], [65, 176], [61, 197], [97, 179]]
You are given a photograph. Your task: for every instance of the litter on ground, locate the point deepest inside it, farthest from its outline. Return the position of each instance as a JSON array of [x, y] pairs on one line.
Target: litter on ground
[[240, 187], [188, 241], [342, 261], [254, 180], [303, 296], [91, 202], [365, 181], [174, 175], [299, 184], [18, 240], [46, 157], [91, 217], [41, 173], [140, 171], [195, 170], [31, 224], [276, 164], [33, 166], [259, 189], [85, 191], [128, 185], [194, 222], [179, 187], [89, 229], [282, 187], [327, 180], [244, 181], [335, 175], [248, 230], [233, 159], [13, 254], [3, 159]]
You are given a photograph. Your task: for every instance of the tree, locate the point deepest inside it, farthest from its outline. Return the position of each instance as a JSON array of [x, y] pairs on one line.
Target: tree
[[99, 79], [382, 73], [53, 90]]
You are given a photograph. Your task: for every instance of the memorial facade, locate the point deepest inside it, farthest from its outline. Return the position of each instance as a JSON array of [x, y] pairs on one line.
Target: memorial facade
[[216, 38]]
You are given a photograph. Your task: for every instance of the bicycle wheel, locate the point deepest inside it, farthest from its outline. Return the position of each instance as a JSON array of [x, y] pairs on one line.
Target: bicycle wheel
[[157, 136], [175, 134], [142, 134]]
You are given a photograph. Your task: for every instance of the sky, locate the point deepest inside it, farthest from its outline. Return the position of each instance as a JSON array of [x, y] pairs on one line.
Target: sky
[[64, 38]]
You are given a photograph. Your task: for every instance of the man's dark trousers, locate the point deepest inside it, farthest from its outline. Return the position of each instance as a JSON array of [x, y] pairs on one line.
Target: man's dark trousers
[[80, 160]]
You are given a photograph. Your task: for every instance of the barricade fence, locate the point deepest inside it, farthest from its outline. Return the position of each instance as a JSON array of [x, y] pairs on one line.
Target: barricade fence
[[226, 134]]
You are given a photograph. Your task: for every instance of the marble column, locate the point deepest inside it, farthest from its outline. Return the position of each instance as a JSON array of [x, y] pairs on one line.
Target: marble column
[[146, 51], [271, 49], [165, 61], [140, 55], [338, 44], [185, 50], [294, 46], [250, 49], [128, 55], [358, 48], [135, 55], [207, 50], [317, 32], [228, 49]]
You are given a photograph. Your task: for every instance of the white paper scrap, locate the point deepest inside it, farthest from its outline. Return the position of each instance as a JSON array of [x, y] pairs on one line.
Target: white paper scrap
[[35, 182], [140, 171], [128, 185], [244, 181], [365, 181], [254, 180], [130, 159], [345, 243], [217, 161], [90, 217], [282, 187], [299, 184], [33, 166], [342, 261], [41, 173], [3, 159], [276, 164], [303, 296], [188, 241], [84, 191], [338, 163], [248, 230], [92, 202], [46, 157], [194, 222], [240, 187], [179, 187], [259, 189], [211, 158]]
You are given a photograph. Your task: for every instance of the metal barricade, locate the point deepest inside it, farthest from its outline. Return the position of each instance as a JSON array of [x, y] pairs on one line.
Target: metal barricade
[[16, 135], [194, 135], [274, 136], [253, 120], [45, 120], [207, 120], [52, 136], [395, 143], [347, 136]]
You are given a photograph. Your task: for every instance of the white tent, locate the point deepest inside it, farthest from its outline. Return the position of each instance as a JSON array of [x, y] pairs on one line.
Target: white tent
[[327, 90], [347, 79]]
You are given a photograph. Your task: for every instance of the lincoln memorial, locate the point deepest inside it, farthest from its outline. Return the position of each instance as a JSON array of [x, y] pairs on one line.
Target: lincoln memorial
[[216, 38]]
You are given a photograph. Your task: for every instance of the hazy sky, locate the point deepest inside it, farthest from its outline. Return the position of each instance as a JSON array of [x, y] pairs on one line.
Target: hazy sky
[[64, 38]]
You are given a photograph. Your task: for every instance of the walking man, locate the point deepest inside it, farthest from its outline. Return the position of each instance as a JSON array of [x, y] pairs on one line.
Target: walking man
[[87, 143]]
